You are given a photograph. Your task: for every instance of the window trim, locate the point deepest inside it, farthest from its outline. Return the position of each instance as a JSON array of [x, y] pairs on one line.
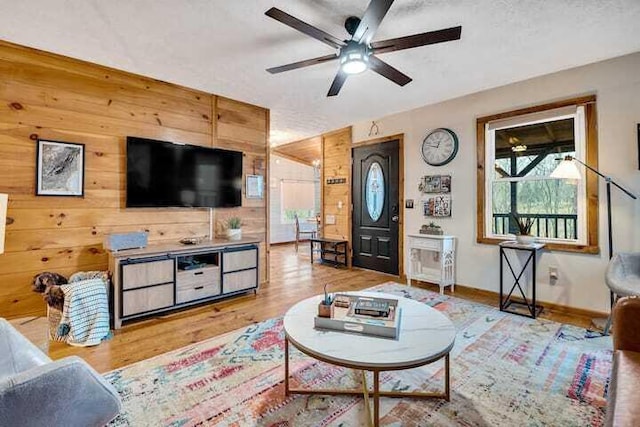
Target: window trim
[[591, 245]]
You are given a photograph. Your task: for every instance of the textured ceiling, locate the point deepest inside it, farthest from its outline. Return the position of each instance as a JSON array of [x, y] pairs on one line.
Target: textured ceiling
[[224, 46]]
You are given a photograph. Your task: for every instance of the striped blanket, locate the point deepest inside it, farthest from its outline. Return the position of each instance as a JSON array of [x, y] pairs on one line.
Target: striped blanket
[[85, 317]]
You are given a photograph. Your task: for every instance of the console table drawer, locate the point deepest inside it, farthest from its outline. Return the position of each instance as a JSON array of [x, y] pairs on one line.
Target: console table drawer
[[196, 292], [186, 279], [147, 273], [428, 244], [147, 299], [240, 280], [240, 260], [196, 284]]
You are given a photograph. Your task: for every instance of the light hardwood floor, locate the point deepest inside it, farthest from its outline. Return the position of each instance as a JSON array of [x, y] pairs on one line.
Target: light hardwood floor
[[293, 278]]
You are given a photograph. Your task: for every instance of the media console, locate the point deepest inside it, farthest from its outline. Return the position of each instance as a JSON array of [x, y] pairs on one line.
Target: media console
[[165, 277]]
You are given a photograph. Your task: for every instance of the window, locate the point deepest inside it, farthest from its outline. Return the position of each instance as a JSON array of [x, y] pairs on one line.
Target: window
[[298, 198], [520, 150], [374, 194]]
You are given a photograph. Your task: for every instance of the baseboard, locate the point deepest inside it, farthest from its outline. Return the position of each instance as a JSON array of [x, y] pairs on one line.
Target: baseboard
[[557, 308]]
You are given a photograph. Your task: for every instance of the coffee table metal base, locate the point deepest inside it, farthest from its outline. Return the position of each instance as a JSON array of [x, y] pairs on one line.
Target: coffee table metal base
[[375, 394]]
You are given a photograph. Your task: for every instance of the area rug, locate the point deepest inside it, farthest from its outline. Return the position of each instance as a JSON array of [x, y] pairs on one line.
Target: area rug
[[506, 370]]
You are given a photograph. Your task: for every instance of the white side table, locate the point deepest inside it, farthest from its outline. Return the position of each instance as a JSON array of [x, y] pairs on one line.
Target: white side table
[[442, 270]]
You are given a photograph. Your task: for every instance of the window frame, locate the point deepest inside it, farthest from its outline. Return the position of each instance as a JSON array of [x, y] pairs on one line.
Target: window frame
[[589, 241]]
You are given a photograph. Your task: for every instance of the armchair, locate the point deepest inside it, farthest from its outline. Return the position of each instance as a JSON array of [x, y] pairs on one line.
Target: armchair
[[35, 391], [622, 401], [623, 278]]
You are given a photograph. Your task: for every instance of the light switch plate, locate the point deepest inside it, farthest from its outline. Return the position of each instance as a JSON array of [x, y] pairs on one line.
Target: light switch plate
[[330, 219]]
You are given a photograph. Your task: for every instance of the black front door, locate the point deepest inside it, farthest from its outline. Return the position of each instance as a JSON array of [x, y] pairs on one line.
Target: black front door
[[376, 207]]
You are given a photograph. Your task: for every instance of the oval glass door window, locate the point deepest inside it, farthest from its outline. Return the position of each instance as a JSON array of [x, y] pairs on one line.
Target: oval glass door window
[[374, 191]]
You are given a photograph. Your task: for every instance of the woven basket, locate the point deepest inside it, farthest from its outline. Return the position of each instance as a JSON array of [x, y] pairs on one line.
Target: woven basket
[[54, 315]]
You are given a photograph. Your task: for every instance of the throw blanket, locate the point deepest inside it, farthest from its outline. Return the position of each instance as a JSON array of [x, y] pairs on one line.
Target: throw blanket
[[85, 317]]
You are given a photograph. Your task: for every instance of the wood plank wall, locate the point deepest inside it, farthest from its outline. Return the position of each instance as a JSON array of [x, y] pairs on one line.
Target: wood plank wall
[[336, 163], [244, 127], [49, 96]]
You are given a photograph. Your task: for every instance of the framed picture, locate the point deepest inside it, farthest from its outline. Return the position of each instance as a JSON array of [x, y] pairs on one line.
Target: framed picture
[[255, 186], [438, 206], [59, 169], [435, 184]]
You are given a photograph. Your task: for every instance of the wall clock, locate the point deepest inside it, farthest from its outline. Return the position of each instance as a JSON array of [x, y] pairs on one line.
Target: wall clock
[[439, 147]]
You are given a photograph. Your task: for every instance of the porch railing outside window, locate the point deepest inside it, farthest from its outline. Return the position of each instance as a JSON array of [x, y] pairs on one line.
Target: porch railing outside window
[[551, 226]]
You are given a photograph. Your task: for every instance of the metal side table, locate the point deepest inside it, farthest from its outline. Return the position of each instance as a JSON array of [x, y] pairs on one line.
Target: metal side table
[[528, 308]]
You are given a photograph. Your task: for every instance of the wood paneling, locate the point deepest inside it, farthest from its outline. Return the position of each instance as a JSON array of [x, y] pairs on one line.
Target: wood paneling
[[305, 151], [48, 96], [336, 163], [241, 126]]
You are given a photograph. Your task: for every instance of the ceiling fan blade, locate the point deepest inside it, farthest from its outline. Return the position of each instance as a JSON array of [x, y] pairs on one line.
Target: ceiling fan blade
[[371, 20], [416, 40], [386, 70], [341, 77], [301, 64], [303, 27]]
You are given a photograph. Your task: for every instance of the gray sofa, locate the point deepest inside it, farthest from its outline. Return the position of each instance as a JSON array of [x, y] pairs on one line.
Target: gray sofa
[[35, 391]]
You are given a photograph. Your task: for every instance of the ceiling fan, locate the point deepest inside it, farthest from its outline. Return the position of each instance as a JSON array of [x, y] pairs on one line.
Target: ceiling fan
[[358, 53]]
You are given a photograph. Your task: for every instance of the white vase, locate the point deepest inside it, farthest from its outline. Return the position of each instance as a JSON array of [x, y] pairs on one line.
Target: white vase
[[234, 233], [525, 239]]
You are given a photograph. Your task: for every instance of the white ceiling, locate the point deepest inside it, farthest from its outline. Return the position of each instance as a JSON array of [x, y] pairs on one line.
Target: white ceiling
[[224, 47]]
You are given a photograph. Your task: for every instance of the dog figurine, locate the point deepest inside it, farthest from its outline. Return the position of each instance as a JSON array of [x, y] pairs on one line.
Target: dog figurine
[[48, 284]]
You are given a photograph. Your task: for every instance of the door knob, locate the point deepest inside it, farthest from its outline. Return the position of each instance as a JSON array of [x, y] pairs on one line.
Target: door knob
[[395, 218]]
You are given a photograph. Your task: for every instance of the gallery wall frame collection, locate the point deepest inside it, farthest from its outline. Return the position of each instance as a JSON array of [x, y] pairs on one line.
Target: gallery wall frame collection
[[59, 168], [438, 189]]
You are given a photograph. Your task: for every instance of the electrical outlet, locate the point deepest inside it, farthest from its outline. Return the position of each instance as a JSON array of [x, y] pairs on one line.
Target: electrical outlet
[[553, 274]]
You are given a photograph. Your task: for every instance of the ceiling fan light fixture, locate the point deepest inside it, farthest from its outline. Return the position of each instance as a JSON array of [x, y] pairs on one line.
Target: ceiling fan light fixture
[[354, 58], [354, 62]]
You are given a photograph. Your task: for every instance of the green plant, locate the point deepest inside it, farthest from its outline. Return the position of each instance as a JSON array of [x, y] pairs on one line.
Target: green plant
[[524, 224], [433, 225], [234, 223], [328, 298]]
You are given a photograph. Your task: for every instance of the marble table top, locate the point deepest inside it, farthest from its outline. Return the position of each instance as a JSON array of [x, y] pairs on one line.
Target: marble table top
[[425, 335]]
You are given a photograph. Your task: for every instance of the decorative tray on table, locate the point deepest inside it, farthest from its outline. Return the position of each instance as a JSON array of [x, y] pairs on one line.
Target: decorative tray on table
[[363, 315]]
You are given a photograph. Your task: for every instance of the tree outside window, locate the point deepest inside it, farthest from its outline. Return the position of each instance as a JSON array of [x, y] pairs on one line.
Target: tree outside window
[[523, 148]]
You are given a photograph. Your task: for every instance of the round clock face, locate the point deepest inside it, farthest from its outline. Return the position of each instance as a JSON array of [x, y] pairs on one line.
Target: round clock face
[[440, 147]]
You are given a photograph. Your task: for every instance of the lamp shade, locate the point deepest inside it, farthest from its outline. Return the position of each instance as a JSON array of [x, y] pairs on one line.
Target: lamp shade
[[4, 200], [566, 169]]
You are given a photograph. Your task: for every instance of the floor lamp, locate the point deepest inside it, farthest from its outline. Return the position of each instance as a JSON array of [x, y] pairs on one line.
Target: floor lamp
[[568, 170]]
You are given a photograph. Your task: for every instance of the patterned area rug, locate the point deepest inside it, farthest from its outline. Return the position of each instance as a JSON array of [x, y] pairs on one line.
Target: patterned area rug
[[506, 370]]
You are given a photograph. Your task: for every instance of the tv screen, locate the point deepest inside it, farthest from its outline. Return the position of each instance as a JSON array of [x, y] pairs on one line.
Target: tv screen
[[163, 174]]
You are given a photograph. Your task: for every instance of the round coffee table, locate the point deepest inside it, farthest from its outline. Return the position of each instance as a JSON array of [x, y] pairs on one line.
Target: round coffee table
[[426, 335]]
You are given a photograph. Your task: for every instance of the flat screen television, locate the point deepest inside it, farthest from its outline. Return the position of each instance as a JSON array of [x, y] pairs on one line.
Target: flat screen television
[[164, 174]]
